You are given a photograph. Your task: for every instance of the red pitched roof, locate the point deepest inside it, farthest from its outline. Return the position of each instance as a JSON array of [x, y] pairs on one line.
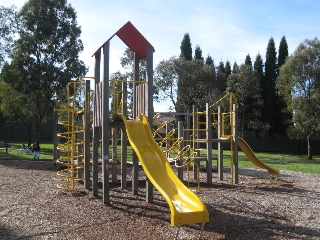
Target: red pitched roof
[[132, 38]]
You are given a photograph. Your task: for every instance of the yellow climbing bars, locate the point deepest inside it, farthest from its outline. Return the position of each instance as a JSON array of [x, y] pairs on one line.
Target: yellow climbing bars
[[71, 151]]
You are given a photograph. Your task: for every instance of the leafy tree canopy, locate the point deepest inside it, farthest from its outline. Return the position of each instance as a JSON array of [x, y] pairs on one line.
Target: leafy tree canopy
[[299, 85], [45, 57], [8, 27]]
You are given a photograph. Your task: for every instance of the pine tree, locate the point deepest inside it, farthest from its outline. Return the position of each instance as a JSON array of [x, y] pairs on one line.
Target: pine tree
[[283, 52], [221, 77], [284, 116], [235, 68], [228, 69], [186, 49], [209, 60], [270, 101], [258, 68], [259, 76], [198, 53], [248, 60]]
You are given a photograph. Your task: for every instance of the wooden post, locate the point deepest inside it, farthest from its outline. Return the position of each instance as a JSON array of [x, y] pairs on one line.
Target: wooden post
[[124, 139], [114, 154], [135, 163], [180, 134], [80, 147], [220, 145], [149, 106], [209, 143], [105, 124], [195, 137], [235, 144], [56, 139], [87, 137], [96, 126]]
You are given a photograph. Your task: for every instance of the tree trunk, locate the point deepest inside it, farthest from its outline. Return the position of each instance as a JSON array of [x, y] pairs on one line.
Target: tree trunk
[[309, 148]]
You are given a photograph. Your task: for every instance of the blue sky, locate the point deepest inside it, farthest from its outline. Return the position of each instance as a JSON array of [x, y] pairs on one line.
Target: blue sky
[[226, 30]]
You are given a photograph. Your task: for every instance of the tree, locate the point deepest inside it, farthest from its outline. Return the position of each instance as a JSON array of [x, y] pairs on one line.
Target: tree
[[246, 87], [259, 76], [228, 70], [116, 90], [268, 87], [221, 78], [186, 49], [45, 58], [235, 67], [8, 28], [195, 84], [166, 80], [127, 62], [198, 53], [285, 118], [248, 60], [209, 60], [299, 84], [283, 52]]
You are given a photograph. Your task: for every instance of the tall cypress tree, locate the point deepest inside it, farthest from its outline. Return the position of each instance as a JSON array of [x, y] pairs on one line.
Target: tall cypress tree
[[283, 52], [248, 61], [235, 68], [198, 53], [209, 60], [259, 76], [258, 68], [186, 49], [284, 116], [221, 77], [270, 109], [228, 70]]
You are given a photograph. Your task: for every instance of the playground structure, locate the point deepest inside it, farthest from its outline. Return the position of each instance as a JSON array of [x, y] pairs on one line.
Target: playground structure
[[182, 147]]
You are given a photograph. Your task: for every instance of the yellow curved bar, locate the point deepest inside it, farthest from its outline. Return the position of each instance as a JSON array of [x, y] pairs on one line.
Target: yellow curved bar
[[185, 206], [252, 157]]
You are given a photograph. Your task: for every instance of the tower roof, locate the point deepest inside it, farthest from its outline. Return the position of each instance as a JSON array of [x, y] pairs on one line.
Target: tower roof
[[132, 38]]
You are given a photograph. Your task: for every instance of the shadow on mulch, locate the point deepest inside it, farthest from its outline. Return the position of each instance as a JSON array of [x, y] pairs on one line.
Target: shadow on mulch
[[45, 165], [234, 226], [7, 233]]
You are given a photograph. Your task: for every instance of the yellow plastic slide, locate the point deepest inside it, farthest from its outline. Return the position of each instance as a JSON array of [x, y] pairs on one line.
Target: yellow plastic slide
[[185, 206], [252, 157]]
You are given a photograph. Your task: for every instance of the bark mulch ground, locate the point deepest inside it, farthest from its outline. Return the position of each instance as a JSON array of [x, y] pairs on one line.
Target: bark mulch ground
[[32, 207]]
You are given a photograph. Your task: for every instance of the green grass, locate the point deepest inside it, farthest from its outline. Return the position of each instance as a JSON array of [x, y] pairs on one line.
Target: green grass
[[290, 162], [46, 152]]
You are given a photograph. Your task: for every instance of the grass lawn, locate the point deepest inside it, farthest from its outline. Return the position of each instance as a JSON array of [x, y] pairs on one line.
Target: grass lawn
[[290, 162]]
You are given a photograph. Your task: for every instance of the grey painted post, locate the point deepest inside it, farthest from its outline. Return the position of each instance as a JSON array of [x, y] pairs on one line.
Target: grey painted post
[[235, 144], [180, 134], [87, 137], [195, 136], [105, 124], [56, 138], [135, 164], [149, 107], [114, 154], [220, 146], [96, 127], [209, 144], [124, 139], [80, 147]]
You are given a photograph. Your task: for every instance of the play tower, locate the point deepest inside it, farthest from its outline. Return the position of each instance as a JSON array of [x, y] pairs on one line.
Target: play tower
[[142, 99]]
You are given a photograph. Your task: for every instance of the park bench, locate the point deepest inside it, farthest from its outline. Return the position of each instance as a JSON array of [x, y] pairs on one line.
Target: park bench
[[5, 144]]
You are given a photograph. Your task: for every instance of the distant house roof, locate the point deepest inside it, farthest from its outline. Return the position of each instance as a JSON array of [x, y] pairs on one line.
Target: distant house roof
[[132, 38]]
